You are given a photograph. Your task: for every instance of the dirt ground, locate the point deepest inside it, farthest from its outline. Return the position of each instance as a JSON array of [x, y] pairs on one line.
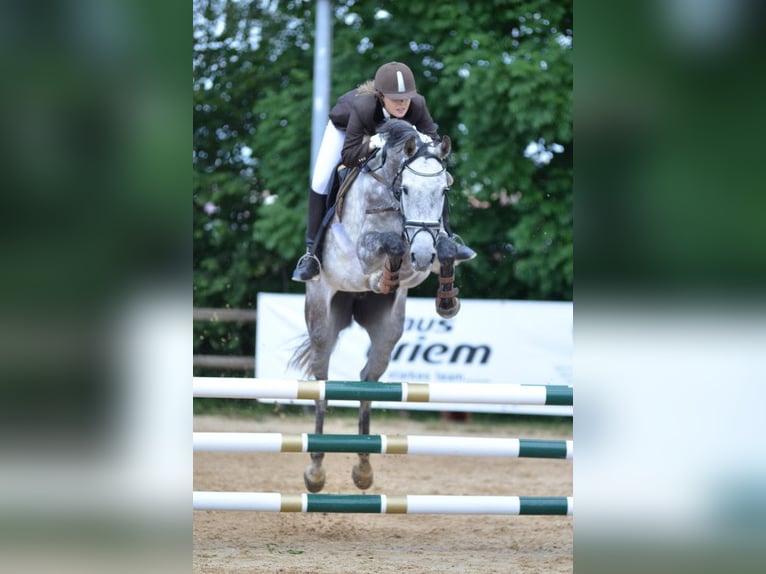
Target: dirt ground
[[313, 543]]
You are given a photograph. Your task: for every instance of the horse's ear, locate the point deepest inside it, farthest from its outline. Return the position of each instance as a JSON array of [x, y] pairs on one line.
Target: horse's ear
[[410, 146], [446, 146]]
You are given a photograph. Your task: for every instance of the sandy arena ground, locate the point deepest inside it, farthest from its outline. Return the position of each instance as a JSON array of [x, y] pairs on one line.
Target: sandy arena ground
[[313, 543]]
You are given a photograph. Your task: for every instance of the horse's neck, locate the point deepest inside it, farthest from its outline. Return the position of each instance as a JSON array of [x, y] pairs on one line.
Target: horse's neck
[[367, 193]]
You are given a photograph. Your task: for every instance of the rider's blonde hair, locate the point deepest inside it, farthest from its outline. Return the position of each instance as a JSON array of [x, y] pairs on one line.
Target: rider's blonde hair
[[367, 88]]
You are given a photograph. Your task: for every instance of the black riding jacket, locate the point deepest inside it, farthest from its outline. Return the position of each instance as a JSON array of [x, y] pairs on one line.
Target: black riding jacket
[[360, 113]]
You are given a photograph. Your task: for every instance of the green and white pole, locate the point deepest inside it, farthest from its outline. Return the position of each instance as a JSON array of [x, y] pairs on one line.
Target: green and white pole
[[249, 388], [383, 504], [383, 444]]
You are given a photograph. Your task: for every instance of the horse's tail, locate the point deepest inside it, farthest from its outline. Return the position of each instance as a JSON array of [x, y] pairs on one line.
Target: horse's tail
[[301, 358]]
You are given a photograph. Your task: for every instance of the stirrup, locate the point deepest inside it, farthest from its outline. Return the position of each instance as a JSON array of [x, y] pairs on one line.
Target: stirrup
[[464, 253], [307, 268]]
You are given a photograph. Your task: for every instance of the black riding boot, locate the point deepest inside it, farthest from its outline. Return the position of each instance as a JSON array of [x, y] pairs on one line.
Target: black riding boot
[[464, 253], [307, 268]]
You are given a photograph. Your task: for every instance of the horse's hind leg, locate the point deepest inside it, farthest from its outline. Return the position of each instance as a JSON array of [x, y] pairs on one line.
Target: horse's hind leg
[[324, 323], [382, 316], [362, 471], [314, 476]]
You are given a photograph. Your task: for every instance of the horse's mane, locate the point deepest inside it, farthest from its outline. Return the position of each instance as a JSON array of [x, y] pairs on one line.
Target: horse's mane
[[397, 131]]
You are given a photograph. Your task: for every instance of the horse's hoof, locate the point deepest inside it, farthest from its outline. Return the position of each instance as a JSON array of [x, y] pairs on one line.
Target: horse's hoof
[[449, 312], [314, 478], [362, 475]]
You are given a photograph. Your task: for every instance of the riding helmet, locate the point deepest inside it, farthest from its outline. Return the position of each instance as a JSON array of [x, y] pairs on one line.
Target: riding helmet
[[396, 81]]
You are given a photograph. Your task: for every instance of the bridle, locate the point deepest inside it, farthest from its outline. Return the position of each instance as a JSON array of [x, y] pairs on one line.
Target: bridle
[[397, 190]]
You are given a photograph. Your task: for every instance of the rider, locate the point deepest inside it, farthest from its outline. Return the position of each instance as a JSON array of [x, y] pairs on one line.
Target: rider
[[357, 114]]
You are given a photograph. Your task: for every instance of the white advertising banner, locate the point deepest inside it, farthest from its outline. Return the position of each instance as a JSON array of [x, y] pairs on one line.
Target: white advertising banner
[[489, 341]]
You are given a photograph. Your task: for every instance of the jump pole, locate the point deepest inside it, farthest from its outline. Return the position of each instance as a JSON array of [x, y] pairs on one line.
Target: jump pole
[[382, 444], [382, 504], [250, 388]]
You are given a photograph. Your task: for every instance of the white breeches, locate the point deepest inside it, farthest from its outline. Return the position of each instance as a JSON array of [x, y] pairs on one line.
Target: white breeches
[[328, 158]]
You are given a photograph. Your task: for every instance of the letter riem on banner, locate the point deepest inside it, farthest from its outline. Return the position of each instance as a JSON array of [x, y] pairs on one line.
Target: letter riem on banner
[[415, 392]]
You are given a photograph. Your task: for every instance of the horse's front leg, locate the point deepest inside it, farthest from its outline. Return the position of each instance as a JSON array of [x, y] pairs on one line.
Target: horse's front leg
[[447, 303], [389, 281], [362, 471], [314, 476], [386, 248]]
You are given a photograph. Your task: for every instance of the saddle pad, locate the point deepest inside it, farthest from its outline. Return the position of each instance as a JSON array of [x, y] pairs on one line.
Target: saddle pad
[[344, 187]]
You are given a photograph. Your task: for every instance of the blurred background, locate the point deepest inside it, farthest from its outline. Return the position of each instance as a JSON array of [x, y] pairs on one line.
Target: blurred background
[[96, 298], [100, 274], [669, 297]]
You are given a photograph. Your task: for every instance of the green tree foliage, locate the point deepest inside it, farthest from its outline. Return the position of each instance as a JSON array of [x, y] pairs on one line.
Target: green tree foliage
[[497, 76], [498, 79], [252, 89]]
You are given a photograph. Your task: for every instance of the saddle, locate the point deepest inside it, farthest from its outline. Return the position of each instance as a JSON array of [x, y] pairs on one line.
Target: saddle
[[342, 179]]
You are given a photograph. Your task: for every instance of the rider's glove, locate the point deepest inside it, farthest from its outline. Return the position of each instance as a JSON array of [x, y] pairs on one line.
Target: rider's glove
[[423, 137], [376, 142]]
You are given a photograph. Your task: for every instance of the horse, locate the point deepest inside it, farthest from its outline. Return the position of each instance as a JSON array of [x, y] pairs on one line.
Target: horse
[[386, 236]]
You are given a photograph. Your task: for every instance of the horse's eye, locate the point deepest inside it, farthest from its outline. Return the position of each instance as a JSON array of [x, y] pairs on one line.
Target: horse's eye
[[403, 189]]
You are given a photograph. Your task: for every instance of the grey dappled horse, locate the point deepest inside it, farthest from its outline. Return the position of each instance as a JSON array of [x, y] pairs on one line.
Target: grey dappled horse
[[386, 236]]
